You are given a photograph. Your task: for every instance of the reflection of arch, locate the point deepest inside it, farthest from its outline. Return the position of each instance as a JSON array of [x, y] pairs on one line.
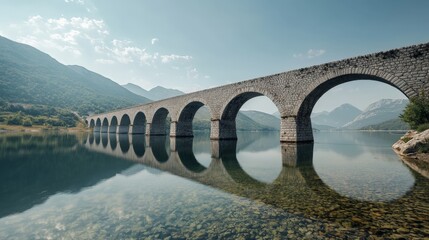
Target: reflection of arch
[[91, 138], [159, 122], [105, 126], [124, 142], [160, 149], [228, 156], [187, 114], [113, 125], [139, 124], [113, 141], [227, 128], [186, 155], [124, 125], [97, 125], [139, 145], [97, 138], [92, 123], [104, 139], [322, 85]]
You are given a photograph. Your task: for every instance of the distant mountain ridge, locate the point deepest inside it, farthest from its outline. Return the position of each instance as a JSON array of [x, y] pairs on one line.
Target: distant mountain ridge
[[382, 114], [156, 93], [28, 75], [337, 117]]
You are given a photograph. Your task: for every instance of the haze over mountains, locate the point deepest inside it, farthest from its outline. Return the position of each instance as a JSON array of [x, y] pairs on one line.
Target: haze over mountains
[[156, 93]]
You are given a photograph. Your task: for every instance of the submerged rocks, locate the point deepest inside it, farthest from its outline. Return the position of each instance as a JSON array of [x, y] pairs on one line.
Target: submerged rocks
[[412, 142]]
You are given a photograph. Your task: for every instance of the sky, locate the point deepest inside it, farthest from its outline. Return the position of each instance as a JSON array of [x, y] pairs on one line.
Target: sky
[[192, 45]]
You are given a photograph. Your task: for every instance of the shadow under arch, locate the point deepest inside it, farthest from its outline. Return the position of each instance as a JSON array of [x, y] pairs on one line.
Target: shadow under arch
[[229, 112], [184, 126], [92, 123], [124, 125], [139, 124], [97, 127], [159, 122], [105, 125], [139, 144], [124, 142], [186, 154], [113, 125], [113, 140], [329, 81]]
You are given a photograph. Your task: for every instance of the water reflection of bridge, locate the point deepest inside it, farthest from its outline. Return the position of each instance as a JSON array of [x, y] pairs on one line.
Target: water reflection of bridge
[[298, 188]]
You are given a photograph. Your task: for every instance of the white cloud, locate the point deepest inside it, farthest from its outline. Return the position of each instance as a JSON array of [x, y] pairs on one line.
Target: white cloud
[[192, 73], [173, 57], [154, 40], [311, 53], [80, 2], [105, 61]]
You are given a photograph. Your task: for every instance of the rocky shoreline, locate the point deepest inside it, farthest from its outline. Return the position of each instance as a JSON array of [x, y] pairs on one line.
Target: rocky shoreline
[[413, 150]]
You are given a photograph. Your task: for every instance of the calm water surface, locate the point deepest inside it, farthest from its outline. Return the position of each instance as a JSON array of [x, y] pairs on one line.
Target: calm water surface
[[101, 186]]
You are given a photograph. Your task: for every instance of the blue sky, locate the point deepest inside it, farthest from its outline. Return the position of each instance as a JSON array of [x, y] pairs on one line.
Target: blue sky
[[196, 44]]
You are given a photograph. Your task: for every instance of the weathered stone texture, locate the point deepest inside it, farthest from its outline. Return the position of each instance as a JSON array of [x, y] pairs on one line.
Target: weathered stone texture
[[294, 93]]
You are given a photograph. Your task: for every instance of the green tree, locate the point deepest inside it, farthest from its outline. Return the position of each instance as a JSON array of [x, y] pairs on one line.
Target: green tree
[[416, 113]]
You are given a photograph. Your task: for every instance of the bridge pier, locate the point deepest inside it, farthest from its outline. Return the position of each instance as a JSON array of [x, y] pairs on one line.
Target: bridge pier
[[295, 129], [183, 129], [223, 130]]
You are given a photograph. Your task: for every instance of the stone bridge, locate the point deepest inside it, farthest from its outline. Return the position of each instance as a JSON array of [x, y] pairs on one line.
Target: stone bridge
[[294, 93]]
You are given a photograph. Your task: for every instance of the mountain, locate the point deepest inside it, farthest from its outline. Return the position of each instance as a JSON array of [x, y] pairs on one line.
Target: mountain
[[378, 112], [263, 118], [156, 93], [28, 75], [337, 117], [394, 124]]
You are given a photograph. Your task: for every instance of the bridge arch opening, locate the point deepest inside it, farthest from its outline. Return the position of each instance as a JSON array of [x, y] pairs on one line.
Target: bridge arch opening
[[325, 106], [92, 123], [248, 111], [104, 139], [139, 124], [160, 123], [105, 126], [124, 125], [113, 125], [97, 125], [195, 116]]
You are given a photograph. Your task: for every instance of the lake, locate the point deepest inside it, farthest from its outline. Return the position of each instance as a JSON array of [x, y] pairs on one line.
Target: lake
[[108, 186]]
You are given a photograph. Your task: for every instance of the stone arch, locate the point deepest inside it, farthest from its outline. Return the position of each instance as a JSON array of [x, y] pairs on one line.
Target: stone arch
[[229, 111], [186, 116], [322, 85], [159, 122], [124, 125], [97, 125], [92, 123], [113, 125], [139, 123], [105, 125]]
